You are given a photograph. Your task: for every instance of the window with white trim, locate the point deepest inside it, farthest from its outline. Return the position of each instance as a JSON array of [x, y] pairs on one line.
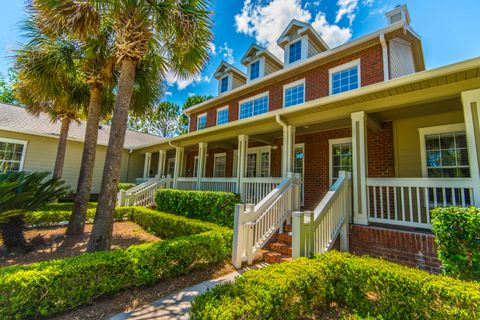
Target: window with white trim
[[295, 51], [12, 154], [220, 165], [224, 84], [340, 157], [222, 115], [255, 70], [202, 121], [258, 162], [345, 77], [254, 106], [294, 93]]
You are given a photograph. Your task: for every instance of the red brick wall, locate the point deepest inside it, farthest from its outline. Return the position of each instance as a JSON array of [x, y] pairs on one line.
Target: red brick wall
[[412, 249], [316, 84]]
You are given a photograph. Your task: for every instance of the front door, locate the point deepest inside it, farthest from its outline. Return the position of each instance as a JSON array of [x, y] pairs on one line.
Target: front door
[[340, 157], [299, 165]]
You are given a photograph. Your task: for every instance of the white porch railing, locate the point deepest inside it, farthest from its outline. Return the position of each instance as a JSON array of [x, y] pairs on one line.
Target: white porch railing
[[408, 201], [315, 232], [186, 183], [143, 194], [224, 184], [255, 224], [256, 189]]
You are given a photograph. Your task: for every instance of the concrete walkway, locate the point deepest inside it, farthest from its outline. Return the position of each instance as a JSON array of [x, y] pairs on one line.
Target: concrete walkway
[[177, 305]]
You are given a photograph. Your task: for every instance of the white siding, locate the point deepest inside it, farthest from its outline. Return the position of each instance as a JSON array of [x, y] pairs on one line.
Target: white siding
[[401, 58], [269, 67], [237, 82], [312, 49]]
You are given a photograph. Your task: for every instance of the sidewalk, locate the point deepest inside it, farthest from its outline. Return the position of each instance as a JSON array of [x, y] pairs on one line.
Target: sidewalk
[[177, 305]]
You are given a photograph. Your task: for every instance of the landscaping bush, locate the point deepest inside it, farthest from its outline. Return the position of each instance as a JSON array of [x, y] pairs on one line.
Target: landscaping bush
[[125, 186], [54, 213], [368, 287], [457, 234], [216, 207], [43, 289]]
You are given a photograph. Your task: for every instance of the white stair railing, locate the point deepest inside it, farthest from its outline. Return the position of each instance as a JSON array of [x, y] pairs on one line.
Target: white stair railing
[[143, 194], [255, 224], [315, 232]]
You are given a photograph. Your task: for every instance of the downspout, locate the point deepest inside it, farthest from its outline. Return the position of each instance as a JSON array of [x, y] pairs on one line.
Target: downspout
[[280, 121], [383, 42]]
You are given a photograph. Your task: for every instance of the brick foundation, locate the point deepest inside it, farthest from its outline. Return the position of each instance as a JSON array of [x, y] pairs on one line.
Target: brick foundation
[[413, 249]]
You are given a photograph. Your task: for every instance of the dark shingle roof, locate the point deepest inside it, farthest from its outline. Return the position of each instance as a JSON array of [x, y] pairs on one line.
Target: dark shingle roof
[[17, 119]]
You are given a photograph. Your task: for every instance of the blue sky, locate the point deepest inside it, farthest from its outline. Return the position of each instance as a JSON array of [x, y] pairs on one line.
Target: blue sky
[[448, 29]]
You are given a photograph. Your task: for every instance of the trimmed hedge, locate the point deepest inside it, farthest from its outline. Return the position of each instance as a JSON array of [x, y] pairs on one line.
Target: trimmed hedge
[[368, 287], [457, 234], [53, 213], [125, 186], [43, 289], [216, 207]]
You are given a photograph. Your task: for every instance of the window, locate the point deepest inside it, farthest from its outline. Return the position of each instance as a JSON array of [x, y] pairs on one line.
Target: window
[[258, 162], [298, 166], [295, 51], [220, 165], [294, 93], [202, 121], [445, 152], [12, 154], [345, 77], [254, 107], [340, 157], [255, 70], [222, 115], [224, 84], [195, 166]]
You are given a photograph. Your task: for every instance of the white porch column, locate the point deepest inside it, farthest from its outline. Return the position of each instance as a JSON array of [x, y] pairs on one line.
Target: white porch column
[[202, 161], [162, 157], [241, 161], [146, 165], [359, 159], [288, 150], [179, 151], [471, 114]]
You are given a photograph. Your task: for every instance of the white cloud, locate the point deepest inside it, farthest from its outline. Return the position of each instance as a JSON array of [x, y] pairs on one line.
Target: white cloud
[[368, 3], [227, 53], [346, 8], [212, 48], [181, 84], [267, 21], [168, 93]]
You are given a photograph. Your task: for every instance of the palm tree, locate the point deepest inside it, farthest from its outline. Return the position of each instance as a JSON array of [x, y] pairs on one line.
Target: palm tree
[[175, 34]]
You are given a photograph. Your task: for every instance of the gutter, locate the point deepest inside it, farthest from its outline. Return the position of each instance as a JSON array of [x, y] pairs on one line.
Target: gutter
[[279, 120]]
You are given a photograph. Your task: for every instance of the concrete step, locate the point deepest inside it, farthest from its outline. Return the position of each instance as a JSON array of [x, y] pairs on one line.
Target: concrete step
[[276, 257]]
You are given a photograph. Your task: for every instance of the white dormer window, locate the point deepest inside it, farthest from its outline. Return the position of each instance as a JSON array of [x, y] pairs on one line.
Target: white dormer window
[[345, 77], [202, 121], [255, 70], [295, 51], [224, 84]]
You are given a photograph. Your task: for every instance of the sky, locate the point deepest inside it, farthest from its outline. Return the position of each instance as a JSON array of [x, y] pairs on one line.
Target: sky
[[449, 31]]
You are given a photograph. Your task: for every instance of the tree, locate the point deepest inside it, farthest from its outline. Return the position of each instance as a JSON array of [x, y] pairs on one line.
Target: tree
[[21, 192], [6, 89], [163, 120], [191, 101]]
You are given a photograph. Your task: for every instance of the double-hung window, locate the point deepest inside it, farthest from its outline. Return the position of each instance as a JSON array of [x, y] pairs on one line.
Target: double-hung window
[[224, 84], [12, 154], [295, 51], [254, 106], [255, 70], [294, 93], [220, 165], [222, 115], [345, 77], [202, 121]]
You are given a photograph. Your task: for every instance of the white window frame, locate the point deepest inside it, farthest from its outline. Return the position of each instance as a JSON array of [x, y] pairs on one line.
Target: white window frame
[[169, 163], [261, 71], [291, 85], [449, 128], [24, 150], [258, 96], [331, 142], [303, 50], [258, 151], [220, 110], [198, 121], [345, 66], [218, 155], [229, 86]]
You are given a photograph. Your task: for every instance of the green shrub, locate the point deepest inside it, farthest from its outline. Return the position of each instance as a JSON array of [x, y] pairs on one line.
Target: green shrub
[[54, 213], [216, 207], [457, 234], [366, 286], [126, 186], [43, 289]]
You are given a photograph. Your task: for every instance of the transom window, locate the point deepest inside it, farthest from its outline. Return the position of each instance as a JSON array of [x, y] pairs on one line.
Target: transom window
[[345, 78], [340, 157], [202, 121], [222, 115], [295, 51], [220, 165], [254, 107], [446, 155], [255, 70], [12, 154], [294, 94], [224, 84]]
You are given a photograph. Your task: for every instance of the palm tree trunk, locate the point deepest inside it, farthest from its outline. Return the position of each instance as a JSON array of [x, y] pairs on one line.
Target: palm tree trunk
[[76, 224], [13, 236], [101, 237], [61, 149]]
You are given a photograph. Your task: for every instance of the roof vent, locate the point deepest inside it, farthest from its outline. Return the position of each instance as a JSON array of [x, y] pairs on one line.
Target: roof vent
[[399, 13]]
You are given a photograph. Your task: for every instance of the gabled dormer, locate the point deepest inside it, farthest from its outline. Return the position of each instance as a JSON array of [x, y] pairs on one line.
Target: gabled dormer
[[399, 13], [229, 77], [260, 62], [300, 41]]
